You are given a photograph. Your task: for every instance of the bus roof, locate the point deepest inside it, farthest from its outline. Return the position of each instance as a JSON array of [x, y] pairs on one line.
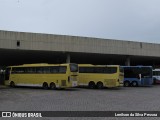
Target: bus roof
[[156, 70], [136, 66], [91, 65], [40, 64]]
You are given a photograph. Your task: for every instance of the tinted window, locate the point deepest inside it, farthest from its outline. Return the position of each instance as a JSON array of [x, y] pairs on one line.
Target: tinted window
[[86, 70], [74, 67], [62, 69], [133, 72], [54, 69], [146, 71], [109, 70], [156, 73], [129, 73], [58, 69], [39, 70], [18, 70], [46, 69], [30, 70]]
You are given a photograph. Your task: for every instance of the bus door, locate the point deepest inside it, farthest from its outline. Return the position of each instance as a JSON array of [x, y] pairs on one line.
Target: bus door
[[146, 76]]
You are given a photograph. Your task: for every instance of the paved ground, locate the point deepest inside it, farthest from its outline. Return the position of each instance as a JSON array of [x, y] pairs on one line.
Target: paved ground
[[81, 99]]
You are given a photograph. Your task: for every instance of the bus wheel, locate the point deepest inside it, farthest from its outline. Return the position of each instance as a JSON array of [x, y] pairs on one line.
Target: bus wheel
[[52, 86], [126, 84], [91, 85], [45, 86], [99, 85], [134, 84], [12, 84]]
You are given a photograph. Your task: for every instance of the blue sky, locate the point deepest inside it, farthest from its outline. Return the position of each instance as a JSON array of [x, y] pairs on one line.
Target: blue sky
[[133, 20]]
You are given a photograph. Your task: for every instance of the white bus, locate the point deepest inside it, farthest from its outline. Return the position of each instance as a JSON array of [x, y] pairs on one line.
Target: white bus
[[156, 76]]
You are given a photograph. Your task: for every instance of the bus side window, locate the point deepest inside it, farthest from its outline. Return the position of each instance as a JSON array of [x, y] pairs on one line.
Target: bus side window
[[110, 70], [30, 70], [81, 70], [62, 69], [46, 69], [39, 70], [54, 69]]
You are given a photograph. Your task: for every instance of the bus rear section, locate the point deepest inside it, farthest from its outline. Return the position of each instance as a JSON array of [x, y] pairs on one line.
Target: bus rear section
[[137, 76], [73, 75], [156, 76], [121, 75], [115, 72], [99, 76], [43, 75]]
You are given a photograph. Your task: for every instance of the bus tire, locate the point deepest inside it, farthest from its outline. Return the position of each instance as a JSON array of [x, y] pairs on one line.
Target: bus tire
[[126, 84], [99, 85], [91, 85], [52, 86], [12, 84], [45, 86], [134, 84]]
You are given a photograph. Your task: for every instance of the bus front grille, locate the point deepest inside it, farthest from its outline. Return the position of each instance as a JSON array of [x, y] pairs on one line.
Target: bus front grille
[[63, 82]]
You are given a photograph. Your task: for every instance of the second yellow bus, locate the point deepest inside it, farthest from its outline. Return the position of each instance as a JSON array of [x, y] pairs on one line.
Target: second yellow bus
[[100, 76]]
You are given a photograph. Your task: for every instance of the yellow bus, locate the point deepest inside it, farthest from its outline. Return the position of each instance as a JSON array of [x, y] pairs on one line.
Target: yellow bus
[[42, 75], [100, 75]]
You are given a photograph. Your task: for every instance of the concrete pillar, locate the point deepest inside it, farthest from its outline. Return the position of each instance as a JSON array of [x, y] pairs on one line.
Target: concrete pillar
[[128, 61], [1, 75], [68, 59]]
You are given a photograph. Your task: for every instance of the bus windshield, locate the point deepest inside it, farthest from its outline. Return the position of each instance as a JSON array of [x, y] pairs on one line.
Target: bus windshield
[[74, 67]]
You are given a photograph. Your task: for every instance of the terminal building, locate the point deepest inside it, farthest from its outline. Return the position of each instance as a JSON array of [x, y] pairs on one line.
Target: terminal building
[[22, 48], [18, 48]]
